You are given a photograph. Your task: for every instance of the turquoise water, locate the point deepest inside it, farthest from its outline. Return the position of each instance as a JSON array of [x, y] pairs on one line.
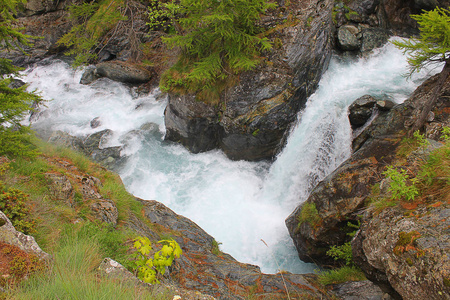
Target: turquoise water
[[239, 203]]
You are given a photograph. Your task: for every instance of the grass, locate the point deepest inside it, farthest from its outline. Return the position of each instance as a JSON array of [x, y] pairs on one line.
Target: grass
[[71, 234], [74, 272], [343, 274]]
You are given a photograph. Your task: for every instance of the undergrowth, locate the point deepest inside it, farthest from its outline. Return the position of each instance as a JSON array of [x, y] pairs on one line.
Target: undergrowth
[[74, 273]]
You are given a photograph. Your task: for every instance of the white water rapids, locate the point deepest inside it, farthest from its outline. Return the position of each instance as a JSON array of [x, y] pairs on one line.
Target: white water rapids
[[239, 203]]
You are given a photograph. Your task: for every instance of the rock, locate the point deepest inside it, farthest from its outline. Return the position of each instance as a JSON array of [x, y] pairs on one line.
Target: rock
[[254, 114], [341, 196], [360, 290], [123, 72], [105, 210], [373, 38], [64, 139], [347, 38], [426, 4], [89, 75], [218, 274], [361, 110], [95, 122], [411, 254], [115, 270], [16, 83], [9, 235], [61, 188], [192, 123]]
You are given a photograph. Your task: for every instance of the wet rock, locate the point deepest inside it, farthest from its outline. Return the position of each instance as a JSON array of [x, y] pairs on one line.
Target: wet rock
[[16, 83], [27, 243], [341, 196], [347, 38], [95, 122], [373, 38], [361, 110], [123, 72], [89, 75], [192, 123], [218, 274]]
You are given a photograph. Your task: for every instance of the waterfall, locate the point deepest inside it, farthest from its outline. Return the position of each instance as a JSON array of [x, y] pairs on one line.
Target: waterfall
[[239, 203]]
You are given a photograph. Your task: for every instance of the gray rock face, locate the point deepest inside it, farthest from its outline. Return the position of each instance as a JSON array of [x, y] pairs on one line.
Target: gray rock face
[[347, 38], [373, 38], [192, 123], [360, 290], [216, 274], [340, 196], [9, 235], [361, 110], [123, 72], [411, 254], [256, 113], [61, 187]]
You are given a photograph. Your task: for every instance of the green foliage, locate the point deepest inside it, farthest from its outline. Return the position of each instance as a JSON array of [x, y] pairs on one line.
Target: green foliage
[[161, 15], [446, 134], [343, 252], [218, 38], [15, 103], [215, 247], [74, 274], [420, 139], [309, 214], [433, 45], [149, 268], [13, 203], [341, 275], [92, 21], [399, 186]]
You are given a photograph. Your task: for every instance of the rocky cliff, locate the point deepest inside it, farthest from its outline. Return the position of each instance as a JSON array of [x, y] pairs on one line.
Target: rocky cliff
[[392, 247]]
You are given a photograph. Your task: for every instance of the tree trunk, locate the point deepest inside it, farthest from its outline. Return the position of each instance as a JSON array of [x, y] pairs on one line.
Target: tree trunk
[[433, 99]]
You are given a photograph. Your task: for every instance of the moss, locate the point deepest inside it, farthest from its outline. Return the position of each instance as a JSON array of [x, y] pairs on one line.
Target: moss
[[309, 214]]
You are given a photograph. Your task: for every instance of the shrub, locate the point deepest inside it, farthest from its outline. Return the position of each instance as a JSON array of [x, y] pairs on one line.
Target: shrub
[[399, 186], [148, 268], [217, 38], [13, 204]]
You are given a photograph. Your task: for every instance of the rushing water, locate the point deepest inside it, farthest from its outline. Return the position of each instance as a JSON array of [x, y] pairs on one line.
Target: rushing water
[[239, 203]]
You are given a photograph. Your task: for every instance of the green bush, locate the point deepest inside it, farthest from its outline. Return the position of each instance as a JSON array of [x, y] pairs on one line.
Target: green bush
[[148, 268], [13, 204], [217, 38], [399, 186]]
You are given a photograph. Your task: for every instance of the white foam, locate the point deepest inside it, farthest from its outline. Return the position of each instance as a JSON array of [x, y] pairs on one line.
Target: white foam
[[239, 203]]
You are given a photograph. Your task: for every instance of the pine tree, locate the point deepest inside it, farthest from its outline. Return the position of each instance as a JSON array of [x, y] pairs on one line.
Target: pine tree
[[15, 103], [433, 46], [217, 38]]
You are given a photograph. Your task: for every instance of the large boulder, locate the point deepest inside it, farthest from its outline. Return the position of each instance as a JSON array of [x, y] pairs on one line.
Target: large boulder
[[408, 253], [254, 114], [342, 195], [202, 267]]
